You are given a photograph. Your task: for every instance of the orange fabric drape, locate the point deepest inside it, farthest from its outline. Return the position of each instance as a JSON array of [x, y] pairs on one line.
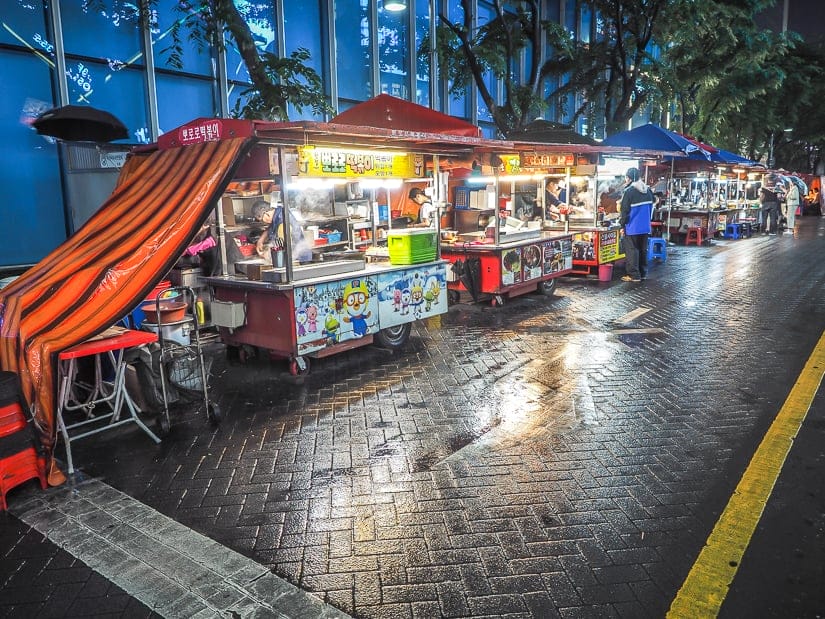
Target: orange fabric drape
[[108, 266]]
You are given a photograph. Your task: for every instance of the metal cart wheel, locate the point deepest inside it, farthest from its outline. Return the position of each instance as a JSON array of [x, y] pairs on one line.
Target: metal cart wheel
[[213, 413], [547, 286], [393, 337], [162, 424], [453, 296], [246, 353], [299, 366]]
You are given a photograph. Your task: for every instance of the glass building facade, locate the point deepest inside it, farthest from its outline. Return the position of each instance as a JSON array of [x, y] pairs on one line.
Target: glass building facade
[[95, 52]]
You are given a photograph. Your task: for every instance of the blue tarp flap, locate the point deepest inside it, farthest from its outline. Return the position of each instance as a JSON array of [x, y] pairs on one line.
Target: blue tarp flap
[[725, 156]]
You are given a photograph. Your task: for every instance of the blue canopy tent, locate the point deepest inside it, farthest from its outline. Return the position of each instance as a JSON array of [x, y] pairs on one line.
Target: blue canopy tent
[[652, 137], [729, 158]]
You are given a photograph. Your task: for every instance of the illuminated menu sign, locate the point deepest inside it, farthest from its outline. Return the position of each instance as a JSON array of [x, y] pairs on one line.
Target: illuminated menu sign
[[341, 162], [547, 160]]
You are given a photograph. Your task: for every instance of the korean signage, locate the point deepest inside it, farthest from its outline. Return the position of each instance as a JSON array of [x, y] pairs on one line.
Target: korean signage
[[341, 162], [205, 131], [609, 249], [547, 160]]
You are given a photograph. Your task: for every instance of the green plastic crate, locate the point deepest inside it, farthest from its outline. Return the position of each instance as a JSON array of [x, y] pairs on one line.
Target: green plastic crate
[[412, 245]]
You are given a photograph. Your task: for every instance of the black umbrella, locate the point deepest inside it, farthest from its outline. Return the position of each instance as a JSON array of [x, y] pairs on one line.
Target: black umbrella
[[80, 123], [551, 133]]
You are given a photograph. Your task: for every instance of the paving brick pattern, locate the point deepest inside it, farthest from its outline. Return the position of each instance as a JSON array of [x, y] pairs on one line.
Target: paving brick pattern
[[38, 579], [543, 459]]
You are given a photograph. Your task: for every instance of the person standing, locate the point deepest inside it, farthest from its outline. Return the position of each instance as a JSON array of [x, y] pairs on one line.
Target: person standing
[[636, 213], [791, 204], [769, 199], [426, 210]]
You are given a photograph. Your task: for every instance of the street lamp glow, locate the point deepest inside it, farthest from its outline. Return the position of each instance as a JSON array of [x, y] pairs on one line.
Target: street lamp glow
[[395, 5]]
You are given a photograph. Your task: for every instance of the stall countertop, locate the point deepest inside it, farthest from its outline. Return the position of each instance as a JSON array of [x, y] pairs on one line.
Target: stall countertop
[[488, 245], [373, 268]]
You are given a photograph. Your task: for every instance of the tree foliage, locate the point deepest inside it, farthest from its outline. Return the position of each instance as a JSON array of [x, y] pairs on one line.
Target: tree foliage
[[703, 66], [276, 82]]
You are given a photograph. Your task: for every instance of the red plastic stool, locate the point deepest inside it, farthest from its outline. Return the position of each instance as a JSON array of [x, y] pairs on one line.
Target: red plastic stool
[[11, 419], [695, 235], [19, 468]]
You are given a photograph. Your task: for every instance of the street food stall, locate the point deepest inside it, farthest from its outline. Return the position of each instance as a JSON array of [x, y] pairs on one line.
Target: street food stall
[[344, 292], [591, 210], [497, 245]]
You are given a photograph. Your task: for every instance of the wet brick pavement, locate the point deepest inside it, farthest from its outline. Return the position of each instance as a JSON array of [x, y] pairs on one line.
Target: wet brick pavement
[[562, 456]]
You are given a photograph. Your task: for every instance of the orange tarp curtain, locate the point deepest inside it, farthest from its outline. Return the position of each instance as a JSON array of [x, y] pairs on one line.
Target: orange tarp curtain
[[108, 266]]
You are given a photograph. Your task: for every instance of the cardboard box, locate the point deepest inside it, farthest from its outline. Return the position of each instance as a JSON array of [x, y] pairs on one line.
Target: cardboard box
[[228, 209]]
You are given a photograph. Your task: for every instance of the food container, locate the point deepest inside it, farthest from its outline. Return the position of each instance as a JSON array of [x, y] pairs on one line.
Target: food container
[[333, 236], [176, 331], [170, 311], [412, 245]]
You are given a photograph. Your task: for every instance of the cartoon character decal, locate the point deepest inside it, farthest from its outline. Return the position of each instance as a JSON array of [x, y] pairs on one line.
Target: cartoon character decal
[[312, 318], [333, 312], [431, 293], [301, 321], [356, 298], [406, 299]]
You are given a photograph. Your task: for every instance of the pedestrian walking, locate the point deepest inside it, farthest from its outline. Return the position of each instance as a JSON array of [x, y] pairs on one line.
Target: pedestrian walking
[[636, 213], [769, 199], [791, 204]]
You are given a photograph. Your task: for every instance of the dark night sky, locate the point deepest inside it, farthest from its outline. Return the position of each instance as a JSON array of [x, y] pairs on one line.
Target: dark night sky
[[807, 17]]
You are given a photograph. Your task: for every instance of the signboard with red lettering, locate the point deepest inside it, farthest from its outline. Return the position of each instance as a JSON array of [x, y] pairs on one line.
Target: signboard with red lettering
[[547, 160], [341, 162]]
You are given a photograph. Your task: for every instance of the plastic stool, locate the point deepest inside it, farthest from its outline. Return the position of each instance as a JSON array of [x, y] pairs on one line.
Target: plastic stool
[[657, 248], [18, 468], [733, 231], [695, 235]]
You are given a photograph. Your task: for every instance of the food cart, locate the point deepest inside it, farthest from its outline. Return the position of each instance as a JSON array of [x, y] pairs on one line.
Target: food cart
[[497, 246], [593, 224], [296, 309]]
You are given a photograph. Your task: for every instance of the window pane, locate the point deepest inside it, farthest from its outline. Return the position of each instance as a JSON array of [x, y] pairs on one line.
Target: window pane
[[120, 92], [24, 24], [33, 215], [393, 52], [193, 59], [259, 16], [110, 34], [485, 14], [422, 30], [302, 26], [352, 49], [303, 29], [180, 99]]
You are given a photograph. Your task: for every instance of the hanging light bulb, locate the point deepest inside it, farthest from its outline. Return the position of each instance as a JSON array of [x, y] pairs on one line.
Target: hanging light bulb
[[395, 5]]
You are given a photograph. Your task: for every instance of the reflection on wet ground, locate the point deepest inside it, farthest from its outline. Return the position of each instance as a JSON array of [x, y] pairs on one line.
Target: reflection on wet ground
[[556, 455]]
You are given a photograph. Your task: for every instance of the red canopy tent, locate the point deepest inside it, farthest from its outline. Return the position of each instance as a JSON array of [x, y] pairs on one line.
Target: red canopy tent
[[390, 112]]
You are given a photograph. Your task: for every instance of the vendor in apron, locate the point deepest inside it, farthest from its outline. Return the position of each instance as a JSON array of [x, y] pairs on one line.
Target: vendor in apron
[[274, 216]]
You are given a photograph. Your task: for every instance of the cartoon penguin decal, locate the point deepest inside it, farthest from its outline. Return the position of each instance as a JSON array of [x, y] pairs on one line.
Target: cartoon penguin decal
[[356, 297]]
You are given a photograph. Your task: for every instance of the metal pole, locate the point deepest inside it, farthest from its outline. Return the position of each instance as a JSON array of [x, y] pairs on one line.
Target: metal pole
[[285, 214], [433, 57]]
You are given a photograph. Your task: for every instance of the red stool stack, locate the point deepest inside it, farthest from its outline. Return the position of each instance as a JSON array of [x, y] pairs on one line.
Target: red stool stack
[[695, 235], [19, 460]]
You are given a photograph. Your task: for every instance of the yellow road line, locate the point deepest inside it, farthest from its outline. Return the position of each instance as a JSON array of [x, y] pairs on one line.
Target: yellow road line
[[707, 583]]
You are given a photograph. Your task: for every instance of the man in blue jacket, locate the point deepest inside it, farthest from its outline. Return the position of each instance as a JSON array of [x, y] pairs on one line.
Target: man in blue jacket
[[636, 213]]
